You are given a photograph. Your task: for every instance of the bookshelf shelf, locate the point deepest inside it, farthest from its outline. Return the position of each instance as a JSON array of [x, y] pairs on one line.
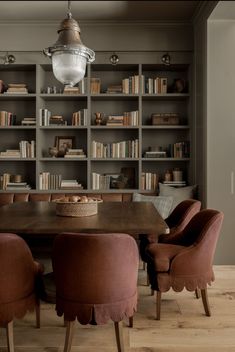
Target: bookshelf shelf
[[104, 88]]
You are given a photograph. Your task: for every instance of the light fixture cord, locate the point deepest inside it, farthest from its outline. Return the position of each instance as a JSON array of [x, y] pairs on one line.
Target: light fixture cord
[[69, 9]]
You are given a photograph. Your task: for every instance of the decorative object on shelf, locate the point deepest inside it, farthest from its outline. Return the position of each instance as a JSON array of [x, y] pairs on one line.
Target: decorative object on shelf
[[69, 55], [76, 206], [16, 178], [8, 59], [53, 152], [98, 118], [165, 119], [168, 176], [114, 59], [166, 59], [177, 175], [63, 144], [179, 86], [2, 86], [129, 175]]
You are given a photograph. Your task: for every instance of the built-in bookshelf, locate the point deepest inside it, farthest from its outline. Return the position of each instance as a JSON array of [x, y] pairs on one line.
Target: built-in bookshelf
[[106, 129]]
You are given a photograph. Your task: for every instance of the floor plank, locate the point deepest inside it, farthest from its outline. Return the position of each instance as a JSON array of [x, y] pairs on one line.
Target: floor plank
[[183, 326]]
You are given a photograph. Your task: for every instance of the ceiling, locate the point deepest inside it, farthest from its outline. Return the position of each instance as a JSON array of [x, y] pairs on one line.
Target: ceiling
[[41, 11]]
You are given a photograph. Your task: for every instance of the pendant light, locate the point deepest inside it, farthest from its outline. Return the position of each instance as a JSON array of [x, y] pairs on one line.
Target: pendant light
[[69, 56]]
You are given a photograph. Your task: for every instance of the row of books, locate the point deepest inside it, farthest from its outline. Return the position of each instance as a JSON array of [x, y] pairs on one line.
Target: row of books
[[149, 181], [130, 85], [123, 149], [100, 182], [7, 118], [26, 150], [130, 118], [80, 117], [48, 181], [156, 85], [179, 150]]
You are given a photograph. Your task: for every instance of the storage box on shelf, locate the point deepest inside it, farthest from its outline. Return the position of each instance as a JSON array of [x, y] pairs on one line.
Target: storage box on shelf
[[125, 117]]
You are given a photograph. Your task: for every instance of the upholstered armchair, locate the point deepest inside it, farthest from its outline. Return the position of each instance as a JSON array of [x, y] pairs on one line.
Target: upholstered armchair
[[176, 222], [20, 278], [96, 280], [188, 264]]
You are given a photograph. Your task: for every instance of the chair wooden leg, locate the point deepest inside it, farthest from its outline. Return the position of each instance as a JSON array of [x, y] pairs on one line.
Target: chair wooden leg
[[158, 304], [147, 282], [198, 293], [119, 336], [37, 311], [205, 302], [152, 292], [69, 335], [131, 320], [10, 341]]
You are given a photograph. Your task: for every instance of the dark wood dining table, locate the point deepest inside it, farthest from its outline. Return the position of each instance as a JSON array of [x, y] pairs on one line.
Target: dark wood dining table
[[39, 218], [37, 221]]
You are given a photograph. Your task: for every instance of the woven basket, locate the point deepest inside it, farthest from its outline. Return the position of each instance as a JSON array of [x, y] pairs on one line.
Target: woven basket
[[77, 209]]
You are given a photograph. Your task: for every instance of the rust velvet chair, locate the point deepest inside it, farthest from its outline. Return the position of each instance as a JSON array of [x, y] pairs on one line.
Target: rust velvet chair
[[19, 283], [176, 222], [188, 264], [96, 280]]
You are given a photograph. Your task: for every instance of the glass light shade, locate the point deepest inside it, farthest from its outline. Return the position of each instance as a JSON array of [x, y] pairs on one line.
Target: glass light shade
[[68, 67]]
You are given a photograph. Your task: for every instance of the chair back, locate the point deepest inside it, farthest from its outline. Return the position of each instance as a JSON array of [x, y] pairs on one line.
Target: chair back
[[95, 276], [199, 226], [182, 214], [17, 279]]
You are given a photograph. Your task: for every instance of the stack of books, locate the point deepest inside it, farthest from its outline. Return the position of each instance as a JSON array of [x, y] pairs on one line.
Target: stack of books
[[115, 120], [57, 120], [10, 153], [175, 183], [28, 121], [70, 184], [155, 154], [115, 89], [16, 88], [75, 153], [17, 186], [71, 90]]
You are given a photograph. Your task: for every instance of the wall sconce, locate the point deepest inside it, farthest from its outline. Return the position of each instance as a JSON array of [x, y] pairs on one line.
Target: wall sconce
[[69, 56], [166, 59], [114, 59], [8, 59]]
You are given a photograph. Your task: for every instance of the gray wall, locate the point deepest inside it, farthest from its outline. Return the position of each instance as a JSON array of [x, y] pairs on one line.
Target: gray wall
[[221, 131], [107, 37]]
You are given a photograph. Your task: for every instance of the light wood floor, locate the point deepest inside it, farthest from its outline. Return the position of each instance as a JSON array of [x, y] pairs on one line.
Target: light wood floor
[[183, 326]]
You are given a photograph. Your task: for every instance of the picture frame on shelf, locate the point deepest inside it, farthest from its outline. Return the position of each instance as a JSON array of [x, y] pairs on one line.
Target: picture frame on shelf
[[64, 142]]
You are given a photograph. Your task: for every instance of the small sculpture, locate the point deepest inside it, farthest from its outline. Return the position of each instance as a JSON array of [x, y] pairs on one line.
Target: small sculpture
[[98, 118], [53, 152]]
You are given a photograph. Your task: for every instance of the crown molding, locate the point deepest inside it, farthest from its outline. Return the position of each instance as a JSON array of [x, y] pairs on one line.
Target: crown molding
[[101, 23]]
